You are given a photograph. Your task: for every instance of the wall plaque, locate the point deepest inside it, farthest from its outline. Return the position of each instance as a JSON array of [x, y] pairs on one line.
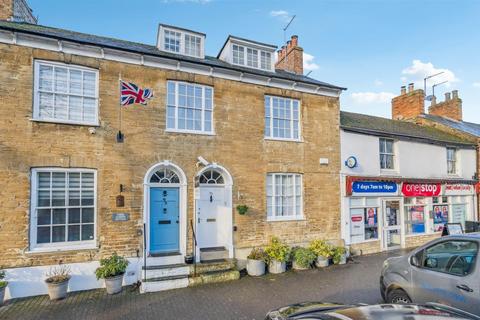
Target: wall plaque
[[120, 216]]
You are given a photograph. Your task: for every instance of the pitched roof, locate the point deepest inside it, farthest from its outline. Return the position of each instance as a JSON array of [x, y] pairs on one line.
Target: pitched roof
[[467, 127], [140, 48], [378, 126]]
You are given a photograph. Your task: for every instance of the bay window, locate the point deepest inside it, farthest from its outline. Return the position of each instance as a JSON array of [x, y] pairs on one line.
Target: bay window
[[284, 196]]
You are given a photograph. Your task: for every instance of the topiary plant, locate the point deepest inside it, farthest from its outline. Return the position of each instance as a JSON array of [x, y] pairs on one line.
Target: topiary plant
[[338, 252], [276, 250], [3, 283], [321, 248], [257, 254], [110, 267], [304, 257], [242, 209]]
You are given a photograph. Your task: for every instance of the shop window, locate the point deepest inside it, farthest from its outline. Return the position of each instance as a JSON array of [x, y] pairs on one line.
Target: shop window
[[363, 219], [440, 216], [415, 219]]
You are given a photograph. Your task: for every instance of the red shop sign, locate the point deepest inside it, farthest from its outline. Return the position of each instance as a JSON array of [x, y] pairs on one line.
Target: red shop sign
[[421, 189], [357, 218]]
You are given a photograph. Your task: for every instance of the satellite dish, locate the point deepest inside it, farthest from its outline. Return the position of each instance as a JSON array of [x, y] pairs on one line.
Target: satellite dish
[[429, 98]]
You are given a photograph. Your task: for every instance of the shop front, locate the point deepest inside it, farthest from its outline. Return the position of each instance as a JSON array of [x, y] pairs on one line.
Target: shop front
[[382, 214]]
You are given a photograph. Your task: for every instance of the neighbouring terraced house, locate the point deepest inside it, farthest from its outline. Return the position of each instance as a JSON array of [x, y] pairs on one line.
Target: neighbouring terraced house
[[83, 177]]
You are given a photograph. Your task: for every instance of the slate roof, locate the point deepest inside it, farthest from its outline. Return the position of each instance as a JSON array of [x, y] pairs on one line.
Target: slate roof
[[378, 126], [467, 127], [146, 49]]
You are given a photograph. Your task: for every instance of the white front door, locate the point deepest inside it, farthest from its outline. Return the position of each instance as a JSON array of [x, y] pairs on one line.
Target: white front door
[[211, 217], [392, 227]]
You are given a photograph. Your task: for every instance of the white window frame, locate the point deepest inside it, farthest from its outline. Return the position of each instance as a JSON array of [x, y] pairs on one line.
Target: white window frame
[[388, 154], [269, 135], [67, 245], [297, 215], [182, 49], [36, 93], [454, 161], [176, 129], [259, 52]]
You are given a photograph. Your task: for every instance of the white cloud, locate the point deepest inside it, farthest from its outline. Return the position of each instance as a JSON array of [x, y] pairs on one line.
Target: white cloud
[[476, 84], [419, 70], [281, 14], [377, 83], [309, 63], [372, 97]]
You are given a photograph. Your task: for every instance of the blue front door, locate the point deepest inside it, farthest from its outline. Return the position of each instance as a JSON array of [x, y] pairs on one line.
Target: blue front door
[[164, 220]]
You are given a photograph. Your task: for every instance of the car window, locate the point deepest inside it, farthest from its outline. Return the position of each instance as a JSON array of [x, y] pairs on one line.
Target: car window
[[454, 257]]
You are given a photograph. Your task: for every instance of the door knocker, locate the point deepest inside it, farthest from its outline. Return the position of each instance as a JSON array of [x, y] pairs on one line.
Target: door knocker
[[211, 196]]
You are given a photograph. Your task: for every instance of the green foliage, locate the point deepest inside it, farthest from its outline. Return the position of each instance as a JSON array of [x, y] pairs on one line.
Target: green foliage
[[113, 266], [257, 254], [321, 248], [242, 209], [277, 250], [338, 252], [58, 274], [304, 257], [2, 276]]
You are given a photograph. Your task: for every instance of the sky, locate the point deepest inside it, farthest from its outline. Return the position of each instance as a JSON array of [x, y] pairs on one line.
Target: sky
[[371, 47]]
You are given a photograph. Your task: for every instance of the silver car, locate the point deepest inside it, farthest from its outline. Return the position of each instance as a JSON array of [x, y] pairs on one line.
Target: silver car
[[445, 270]]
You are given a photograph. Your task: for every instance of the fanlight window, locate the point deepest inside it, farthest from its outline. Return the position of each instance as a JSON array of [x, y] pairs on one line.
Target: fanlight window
[[211, 177], [164, 175]]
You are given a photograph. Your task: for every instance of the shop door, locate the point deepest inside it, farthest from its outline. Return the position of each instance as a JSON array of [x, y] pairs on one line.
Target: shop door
[[392, 228]]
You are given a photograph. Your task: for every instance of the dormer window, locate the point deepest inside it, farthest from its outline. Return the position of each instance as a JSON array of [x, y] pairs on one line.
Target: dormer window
[[248, 53], [181, 41]]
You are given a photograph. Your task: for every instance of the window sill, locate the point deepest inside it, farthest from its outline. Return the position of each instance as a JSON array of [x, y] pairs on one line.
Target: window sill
[[62, 248], [390, 172], [296, 218], [366, 241], [283, 139], [93, 124], [190, 132]]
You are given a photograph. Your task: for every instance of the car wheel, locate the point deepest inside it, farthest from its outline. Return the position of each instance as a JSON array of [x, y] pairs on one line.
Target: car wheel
[[398, 296]]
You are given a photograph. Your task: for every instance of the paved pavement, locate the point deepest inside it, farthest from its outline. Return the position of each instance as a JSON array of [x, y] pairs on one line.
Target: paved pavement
[[245, 299]]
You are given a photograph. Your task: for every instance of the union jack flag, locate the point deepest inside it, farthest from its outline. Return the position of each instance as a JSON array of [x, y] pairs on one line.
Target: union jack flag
[[131, 93]]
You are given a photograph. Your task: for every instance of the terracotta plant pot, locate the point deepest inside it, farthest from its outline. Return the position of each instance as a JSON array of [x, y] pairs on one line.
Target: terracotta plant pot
[[2, 293], [114, 284], [57, 290], [255, 268], [322, 262], [277, 267]]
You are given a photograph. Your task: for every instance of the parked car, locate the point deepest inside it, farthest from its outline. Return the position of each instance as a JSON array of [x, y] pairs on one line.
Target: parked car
[[445, 270], [330, 311]]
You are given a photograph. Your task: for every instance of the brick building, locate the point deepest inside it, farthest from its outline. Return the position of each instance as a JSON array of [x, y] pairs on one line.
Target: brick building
[[84, 177]]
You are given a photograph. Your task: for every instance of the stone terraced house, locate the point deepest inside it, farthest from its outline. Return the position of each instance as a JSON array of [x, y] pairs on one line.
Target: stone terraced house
[[83, 177]]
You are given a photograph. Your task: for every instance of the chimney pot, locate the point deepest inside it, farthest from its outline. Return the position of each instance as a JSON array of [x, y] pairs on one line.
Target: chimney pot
[[434, 101], [410, 87], [294, 40], [447, 96], [403, 90], [455, 94]]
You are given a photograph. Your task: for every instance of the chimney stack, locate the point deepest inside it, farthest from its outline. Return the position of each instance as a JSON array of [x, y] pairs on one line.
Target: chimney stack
[[290, 57], [408, 105], [450, 108]]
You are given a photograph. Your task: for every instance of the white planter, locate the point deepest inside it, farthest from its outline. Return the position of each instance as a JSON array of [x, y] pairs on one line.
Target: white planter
[[2, 293], [343, 259], [277, 267], [255, 267], [114, 284], [322, 262], [296, 266], [57, 291]]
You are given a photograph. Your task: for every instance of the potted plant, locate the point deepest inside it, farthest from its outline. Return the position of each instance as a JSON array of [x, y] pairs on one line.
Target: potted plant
[[57, 282], [3, 285], [112, 270], [278, 254], [303, 258], [242, 209], [324, 252], [339, 255], [256, 262]]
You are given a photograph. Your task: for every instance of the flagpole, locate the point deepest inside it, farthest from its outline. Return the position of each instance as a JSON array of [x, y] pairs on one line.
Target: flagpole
[[120, 134]]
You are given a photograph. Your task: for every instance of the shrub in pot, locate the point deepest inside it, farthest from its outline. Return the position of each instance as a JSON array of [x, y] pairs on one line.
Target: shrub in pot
[[112, 270], [256, 262], [57, 282], [303, 258], [242, 209], [3, 286], [278, 254], [339, 255], [323, 251]]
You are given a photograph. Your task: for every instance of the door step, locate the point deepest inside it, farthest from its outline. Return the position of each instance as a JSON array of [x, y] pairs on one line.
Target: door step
[[163, 259], [164, 254], [159, 271], [164, 283], [213, 254]]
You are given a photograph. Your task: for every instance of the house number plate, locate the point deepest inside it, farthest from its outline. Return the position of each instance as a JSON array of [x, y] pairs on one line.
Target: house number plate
[[120, 216]]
